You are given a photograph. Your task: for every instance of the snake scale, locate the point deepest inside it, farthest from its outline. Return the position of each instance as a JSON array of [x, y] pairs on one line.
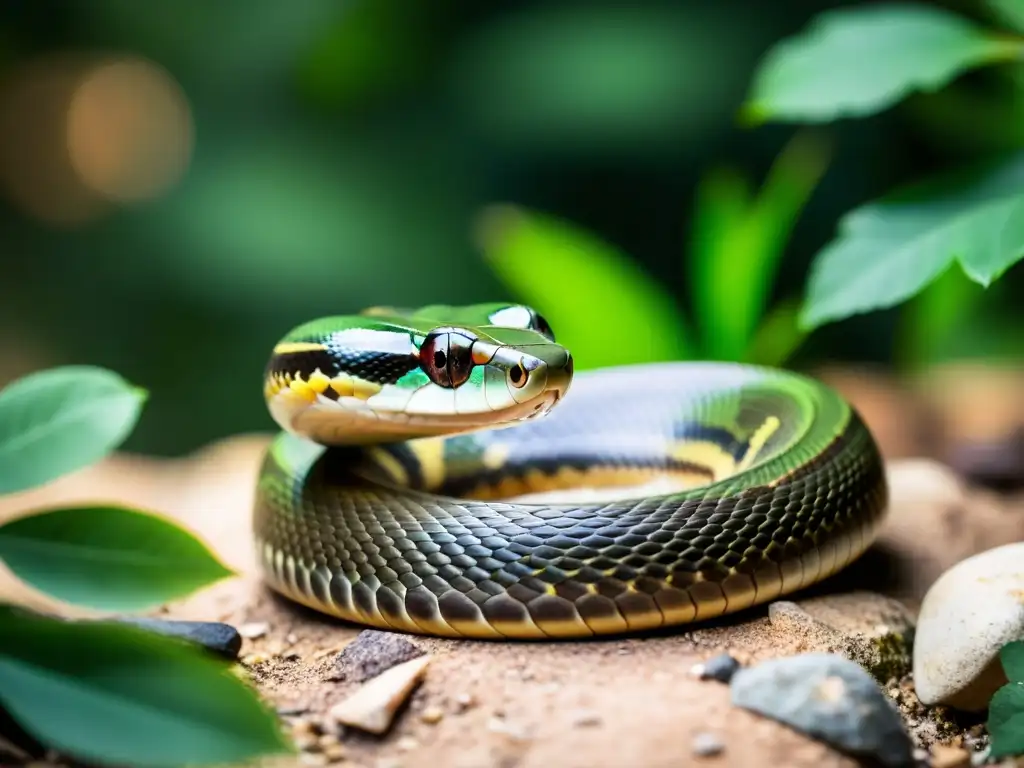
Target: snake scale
[[442, 471]]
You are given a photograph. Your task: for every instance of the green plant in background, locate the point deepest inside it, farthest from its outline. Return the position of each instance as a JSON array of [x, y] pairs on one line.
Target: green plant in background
[[104, 691], [1006, 710], [941, 240], [610, 312]]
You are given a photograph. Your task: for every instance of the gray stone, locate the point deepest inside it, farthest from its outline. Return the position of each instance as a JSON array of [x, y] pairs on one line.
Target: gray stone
[[222, 639], [828, 698], [969, 613], [707, 745], [721, 668], [371, 653]]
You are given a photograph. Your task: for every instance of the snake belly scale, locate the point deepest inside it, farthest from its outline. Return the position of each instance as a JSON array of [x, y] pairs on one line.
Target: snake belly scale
[[437, 474]]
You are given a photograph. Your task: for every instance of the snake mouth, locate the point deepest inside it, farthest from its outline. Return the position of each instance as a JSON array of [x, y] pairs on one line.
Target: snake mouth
[[355, 422]]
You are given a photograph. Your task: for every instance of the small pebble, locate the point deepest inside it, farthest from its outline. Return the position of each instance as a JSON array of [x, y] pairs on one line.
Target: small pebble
[[828, 698], [584, 717], [432, 715], [502, 726], [291, 710], [327, 741], [707, 745], [720, 668], [335, 752], [222, 639], [407, 744], [995, 463], [274, 648], [291, 638], [371, 653], [305, 728], [373, 706], [969, 613], [464, 701], [254, 630]]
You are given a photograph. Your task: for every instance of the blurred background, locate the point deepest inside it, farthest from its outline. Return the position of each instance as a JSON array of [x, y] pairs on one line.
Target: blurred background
[[181, 183]]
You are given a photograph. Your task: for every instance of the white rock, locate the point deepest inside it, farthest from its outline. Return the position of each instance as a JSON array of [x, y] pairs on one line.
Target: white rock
[[966, 617], [374, 705]]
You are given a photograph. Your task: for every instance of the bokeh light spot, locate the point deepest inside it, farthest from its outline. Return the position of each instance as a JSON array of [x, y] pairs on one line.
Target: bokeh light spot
[[129, 131]]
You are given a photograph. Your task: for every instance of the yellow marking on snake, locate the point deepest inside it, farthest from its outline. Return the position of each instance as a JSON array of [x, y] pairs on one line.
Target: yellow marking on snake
[[389, 463], [302, 389], [571, 479], [758, 440], [430, 454], [364, 389], [704, 453], [342, 385], [293, 347], [318, 382]]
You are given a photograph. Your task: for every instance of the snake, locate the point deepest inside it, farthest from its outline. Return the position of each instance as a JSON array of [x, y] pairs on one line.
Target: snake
[[442, 471]]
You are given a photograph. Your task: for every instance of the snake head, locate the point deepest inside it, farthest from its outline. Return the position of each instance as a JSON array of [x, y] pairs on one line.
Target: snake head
[[381, 377]]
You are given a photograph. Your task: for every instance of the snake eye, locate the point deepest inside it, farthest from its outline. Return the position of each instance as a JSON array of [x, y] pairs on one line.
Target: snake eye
[[518, 376], [447, 358]]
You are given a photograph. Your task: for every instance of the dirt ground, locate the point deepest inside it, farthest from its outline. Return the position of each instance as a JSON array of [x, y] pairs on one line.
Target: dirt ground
[[619, 702]]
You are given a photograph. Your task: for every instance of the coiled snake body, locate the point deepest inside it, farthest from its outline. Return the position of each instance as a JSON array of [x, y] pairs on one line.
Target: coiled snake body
[[414, 487]]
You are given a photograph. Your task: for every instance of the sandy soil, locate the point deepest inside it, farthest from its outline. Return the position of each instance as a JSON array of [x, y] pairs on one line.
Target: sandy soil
[[620, 702]]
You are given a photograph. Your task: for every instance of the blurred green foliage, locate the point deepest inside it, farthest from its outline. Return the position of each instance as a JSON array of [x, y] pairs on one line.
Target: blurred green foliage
[[344, 153], [609, 312]]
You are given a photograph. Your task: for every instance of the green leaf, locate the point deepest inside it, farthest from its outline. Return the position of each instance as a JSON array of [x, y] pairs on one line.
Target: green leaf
[[1010, 12], [723, 203], [60, 420], [1012, 658], [853, 62], [602, 306], [107, 558], [778, 337], [1006, 720], [733, 238], [890, 249], [115, 694]]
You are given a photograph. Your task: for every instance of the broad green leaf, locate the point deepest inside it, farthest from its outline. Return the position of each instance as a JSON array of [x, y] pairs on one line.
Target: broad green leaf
[[60, 420], [1006, 720], [107, 558], [110, 693], [856, 61], [890, 249], [738, 248], [1012, 658], [601, 305]]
